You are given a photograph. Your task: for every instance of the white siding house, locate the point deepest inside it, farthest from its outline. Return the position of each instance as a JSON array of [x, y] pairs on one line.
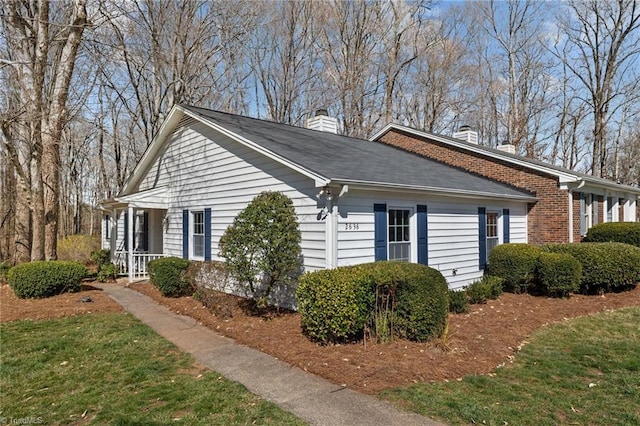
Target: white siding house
[[356, 201]]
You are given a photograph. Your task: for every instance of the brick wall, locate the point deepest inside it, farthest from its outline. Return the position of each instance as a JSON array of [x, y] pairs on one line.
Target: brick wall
[[547, 219]]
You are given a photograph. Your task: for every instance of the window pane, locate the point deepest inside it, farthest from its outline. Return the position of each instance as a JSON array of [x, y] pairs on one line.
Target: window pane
[[198, 245]]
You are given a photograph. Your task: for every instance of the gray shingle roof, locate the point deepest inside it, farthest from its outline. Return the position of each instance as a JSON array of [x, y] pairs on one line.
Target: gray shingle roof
[[342, 158]]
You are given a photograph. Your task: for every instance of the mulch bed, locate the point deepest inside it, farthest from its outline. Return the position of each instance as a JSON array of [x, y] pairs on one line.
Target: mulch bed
[[477, 342]]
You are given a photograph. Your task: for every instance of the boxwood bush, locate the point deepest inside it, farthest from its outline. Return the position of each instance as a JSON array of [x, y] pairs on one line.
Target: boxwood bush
[[336, 305], [620, 232], [45, 278], [605, 266], [558, 274], [515, 264], [168, 275]]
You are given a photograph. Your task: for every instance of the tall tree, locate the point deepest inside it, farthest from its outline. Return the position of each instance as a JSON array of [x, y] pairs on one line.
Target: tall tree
[[42, 40], [603, 45]]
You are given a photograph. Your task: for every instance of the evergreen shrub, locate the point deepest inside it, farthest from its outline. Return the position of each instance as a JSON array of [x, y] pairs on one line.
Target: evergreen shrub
[[515, 264], [168, 274], [45, 278], [619, 232], [605, 266], [558, 274]]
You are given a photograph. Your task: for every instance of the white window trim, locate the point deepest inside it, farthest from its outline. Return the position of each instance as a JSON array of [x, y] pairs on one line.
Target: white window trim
[[413, 230], [192, 223], [499, 228]]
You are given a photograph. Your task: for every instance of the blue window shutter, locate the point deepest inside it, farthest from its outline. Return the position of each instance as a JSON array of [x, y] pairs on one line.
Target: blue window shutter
[[583, 211], [595, 210], [207, 234], [380, 231], [145, 231], [126, 231], [482, 237], [506, 226], [107, 227], [185, 234], [423, 239]]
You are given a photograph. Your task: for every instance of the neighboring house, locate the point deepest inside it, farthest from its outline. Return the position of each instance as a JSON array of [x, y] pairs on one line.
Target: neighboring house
[[567, 203], [357, 201]]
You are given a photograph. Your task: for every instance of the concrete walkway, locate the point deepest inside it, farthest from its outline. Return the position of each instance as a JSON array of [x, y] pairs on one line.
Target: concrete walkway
[[313, 399]]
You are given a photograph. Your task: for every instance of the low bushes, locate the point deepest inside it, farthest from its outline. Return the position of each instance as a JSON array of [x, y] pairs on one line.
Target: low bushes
[[45, 278], [458, 302], [605, 266], [486, 288], [515, 264], [391, 298], [620, 232], [168, 274], [558, 274]]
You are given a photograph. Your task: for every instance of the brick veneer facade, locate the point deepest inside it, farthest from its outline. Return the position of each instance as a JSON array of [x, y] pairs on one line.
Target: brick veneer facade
[[548, 218]]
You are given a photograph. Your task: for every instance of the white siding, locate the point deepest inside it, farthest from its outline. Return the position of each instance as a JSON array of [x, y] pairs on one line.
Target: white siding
[[203, 168], [452, 230]]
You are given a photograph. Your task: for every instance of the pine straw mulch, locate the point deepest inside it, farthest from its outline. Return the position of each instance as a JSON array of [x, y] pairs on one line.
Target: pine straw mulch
[[477, 342]]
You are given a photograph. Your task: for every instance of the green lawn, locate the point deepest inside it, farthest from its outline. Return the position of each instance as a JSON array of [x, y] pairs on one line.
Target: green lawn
[[584, 371], [112, 369]]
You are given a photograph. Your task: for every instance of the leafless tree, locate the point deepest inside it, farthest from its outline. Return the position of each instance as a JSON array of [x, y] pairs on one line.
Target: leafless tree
[[42, 41], [603, 48]]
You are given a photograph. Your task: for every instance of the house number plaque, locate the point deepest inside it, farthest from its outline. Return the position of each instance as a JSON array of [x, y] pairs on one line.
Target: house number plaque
[[351, 226]]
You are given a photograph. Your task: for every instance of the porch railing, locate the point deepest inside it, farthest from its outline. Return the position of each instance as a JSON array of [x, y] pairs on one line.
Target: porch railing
[[140, 262]]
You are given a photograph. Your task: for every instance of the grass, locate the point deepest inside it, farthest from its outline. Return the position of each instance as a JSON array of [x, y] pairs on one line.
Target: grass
[[112, 369], [584, 371]]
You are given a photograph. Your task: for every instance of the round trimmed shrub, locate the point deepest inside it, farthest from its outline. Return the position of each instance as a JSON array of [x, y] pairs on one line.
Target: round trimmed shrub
[[168, 275], [515, 264], [605, 266], [107, 272], [335, 304], [558, 274], [619, 232], [45, 278], [338, 304]]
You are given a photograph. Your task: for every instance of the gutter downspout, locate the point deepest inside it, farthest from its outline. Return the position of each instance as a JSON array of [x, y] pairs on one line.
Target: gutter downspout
[[331, 230]]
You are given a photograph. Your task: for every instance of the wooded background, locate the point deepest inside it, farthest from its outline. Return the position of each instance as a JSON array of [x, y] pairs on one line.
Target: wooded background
[[87, 83]]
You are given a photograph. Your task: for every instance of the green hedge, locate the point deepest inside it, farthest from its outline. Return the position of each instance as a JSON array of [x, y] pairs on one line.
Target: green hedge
[[486, 288], [605, 266], [620, 232], [168, 275], [515, 264], [336, 305], [558, 274], [45, 278]]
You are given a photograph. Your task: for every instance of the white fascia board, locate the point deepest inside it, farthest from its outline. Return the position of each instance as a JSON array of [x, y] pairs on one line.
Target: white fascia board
[[318, 179], [564, 177], [155, 198], [447, 192]]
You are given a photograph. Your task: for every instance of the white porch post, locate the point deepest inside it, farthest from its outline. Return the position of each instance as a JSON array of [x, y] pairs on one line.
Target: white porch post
[[130, 223], [570, 216]]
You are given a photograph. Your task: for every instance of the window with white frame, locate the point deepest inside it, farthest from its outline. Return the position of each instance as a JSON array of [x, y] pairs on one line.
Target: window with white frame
[[399, 234], [198, 234], [493, 237]]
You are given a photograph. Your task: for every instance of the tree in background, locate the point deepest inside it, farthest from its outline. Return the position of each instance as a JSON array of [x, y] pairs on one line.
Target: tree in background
[[41, 41]]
